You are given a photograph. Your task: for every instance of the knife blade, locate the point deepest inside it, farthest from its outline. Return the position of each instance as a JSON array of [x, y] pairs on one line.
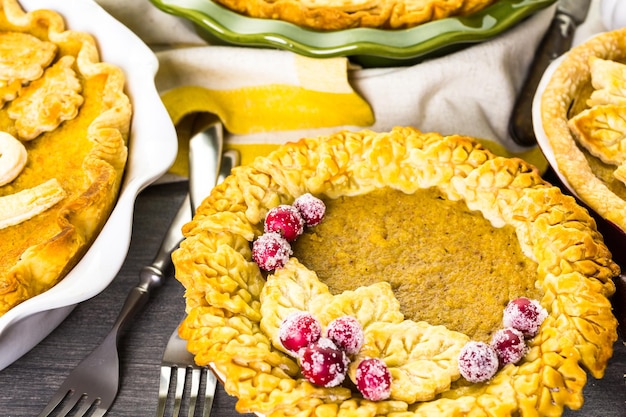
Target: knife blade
[[205, 157], [208, 166], [557, 40]]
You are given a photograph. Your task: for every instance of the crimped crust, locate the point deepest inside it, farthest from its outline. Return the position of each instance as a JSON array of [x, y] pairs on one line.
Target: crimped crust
[[227, 294], [84, 148], [570, 81], [343, 14]]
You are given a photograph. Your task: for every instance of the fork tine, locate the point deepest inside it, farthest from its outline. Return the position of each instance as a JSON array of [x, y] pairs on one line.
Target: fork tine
[[59, 396], [209, 393], [181, 374], [99, 412], [196, 374], [84, 407], [164, 386], [191, 389], [78, 404], [68, 398]]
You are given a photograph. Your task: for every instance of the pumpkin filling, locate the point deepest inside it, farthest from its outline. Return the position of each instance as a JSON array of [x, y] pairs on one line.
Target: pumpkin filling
[[446, 264]]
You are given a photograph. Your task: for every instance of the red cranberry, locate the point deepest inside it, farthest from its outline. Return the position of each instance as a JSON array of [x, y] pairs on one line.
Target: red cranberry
[[271, 251], [311, 208], [478, 362], [285, 220], [524, 315], [509, 344], [373, 379], [299, 329], [346, 332], [323, 363]]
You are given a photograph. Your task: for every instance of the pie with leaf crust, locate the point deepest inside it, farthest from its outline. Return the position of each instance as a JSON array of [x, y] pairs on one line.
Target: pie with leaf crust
[[343, 14], [64, 123], [584, 118], [421, 205]]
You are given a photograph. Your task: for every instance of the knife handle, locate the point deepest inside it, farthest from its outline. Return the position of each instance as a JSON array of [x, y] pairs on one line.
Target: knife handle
[[153, 275], [556, 41]]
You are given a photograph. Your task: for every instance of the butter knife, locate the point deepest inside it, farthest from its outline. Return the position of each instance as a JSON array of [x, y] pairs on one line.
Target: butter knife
[[205, 157], [208, 166], [557, 40]]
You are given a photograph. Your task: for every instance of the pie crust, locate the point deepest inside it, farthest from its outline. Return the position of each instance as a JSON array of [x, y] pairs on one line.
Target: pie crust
[[575, 115], [343, 14], [70, 112], [232, 305]]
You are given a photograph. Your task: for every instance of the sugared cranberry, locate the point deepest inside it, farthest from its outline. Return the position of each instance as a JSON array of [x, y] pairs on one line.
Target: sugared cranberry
[[346, 332], [478, 362], [299, 329], [373, 379], [271, 251], [311, 208], [509, 345], [524, 315], [323, 363], [285, 220]]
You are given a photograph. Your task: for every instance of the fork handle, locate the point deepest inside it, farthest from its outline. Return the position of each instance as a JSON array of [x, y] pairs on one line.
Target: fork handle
[[152, 276], [135, 300]]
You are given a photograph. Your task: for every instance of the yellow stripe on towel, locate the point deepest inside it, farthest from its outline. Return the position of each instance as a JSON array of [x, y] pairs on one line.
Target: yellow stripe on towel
[[270, 107]]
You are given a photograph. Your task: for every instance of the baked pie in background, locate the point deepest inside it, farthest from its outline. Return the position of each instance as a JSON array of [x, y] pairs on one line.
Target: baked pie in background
[[416, 226], [343, 14], [583, 108], [64, 124]]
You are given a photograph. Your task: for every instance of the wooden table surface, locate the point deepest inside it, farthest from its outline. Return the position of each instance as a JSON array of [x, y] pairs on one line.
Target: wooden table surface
[[27, 385]]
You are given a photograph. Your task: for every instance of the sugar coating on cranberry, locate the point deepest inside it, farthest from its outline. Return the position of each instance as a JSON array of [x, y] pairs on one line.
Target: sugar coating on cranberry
[[346, 332], [509, 345], [524, 315], [299, 329], [311, 208], [323, 363], [285, 220], [271, 251], [373, 379], [478, 362]]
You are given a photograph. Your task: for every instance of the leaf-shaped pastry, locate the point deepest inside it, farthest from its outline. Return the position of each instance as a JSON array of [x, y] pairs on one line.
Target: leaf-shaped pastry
[[47, 102], [217, 282], [422, 359], [371, 304], [289, 289], [23, 56], [296, 288], [601, 128], [608, 78], [602, 131]]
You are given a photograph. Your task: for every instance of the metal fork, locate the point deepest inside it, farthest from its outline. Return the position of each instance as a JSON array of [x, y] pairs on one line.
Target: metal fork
[[92, 386], [192, 382]]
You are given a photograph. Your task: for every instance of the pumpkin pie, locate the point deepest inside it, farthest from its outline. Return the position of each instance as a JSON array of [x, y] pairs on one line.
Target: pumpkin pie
[[424, 241], [64, 123], [343, 14], [583, 115]]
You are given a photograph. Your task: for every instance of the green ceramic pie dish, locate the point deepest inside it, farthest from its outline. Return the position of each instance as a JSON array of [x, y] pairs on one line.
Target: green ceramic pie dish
[[365, 46]]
